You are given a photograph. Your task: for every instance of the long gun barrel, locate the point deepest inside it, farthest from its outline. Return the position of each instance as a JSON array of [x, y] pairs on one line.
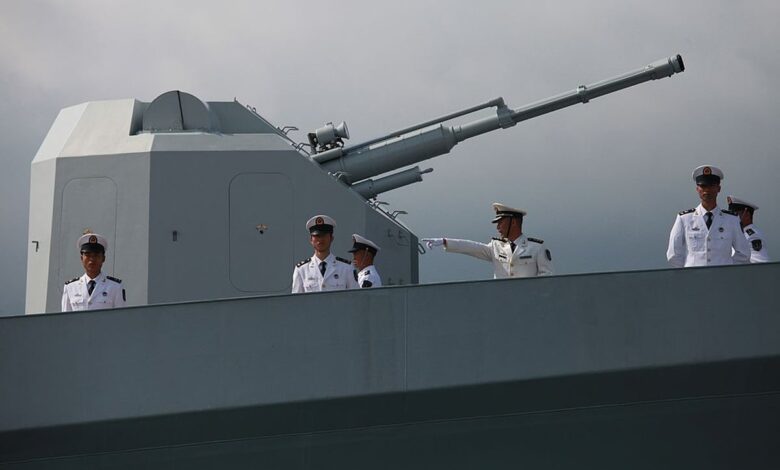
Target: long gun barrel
[[431, 138]]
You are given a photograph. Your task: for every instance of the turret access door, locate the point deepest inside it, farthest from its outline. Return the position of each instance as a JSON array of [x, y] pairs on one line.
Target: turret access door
[[261, 232]]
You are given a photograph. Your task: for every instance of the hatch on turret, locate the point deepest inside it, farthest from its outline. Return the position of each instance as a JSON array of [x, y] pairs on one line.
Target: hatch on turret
[[177, 111]]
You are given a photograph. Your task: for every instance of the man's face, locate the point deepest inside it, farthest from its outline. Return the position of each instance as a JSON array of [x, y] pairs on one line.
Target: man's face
[[745, 217], [361, 259], [708, 192], [92, 262], [504, 224], [321, 242]]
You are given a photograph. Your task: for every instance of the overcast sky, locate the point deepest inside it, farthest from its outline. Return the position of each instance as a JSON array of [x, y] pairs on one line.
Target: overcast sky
[[602, 182]]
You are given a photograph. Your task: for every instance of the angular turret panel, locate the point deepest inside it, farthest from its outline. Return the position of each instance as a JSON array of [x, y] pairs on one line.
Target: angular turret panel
[[197, 201]]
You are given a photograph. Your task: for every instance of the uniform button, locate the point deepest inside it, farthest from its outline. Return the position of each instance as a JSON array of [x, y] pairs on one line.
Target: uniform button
[[709, 259], [708, 238], [708, 249]]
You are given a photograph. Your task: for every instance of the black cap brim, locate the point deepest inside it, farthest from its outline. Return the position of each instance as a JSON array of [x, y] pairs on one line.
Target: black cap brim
[[321, 229], [92, 248], [360, 246], [501, 215], [707, 180]]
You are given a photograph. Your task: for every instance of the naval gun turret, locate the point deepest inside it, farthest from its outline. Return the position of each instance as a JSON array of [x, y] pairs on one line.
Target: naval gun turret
[[208, 200], [430, 139]]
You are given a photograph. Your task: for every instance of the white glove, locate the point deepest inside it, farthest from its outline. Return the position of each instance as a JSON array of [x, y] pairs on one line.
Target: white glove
[[433, 242]]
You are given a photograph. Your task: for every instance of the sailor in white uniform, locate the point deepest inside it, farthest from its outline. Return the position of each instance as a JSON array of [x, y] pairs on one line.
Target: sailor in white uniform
[[706, 234], [323, 271], [512, 255], [363, 253], [94, 290], [745, 210]]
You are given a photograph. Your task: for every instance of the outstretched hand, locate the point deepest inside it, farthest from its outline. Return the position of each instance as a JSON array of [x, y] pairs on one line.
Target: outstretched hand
[[433, 242]]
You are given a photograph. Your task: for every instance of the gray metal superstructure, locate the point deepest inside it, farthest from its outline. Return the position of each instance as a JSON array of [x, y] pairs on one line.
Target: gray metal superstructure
[[456, 375], [218, 366], [207, 200], [189, 213]]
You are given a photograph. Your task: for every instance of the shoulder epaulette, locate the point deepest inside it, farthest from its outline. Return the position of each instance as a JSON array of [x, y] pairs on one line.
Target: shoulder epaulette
[[72, 280], [301, 263], [343, 260], [726, 211], [535, 240], [686, 211], [111, 278]]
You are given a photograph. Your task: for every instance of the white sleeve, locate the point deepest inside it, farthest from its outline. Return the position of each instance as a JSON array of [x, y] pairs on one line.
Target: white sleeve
[[352, 282], [467, 247], [119, 296], [297, 282], [544, 262], [676, 252], [65, 304], [761, 256], [741, 246]]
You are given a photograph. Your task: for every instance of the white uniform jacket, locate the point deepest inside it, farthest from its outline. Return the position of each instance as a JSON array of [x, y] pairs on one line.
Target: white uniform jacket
[[529, 258], [758, 251], [369, 277], [692, 244], [339, 275], [108, 293]]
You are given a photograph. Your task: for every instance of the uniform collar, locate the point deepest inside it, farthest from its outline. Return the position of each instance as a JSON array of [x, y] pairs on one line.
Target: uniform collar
[[330, 259], [700, 210], [521, 240], [100, 278]]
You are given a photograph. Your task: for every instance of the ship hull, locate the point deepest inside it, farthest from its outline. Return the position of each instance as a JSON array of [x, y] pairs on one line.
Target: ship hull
[[647, 369]]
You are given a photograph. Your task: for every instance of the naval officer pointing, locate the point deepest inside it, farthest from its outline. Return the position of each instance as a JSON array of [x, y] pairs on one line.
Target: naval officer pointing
[[706, 234], [363, 253], [323, 271], [513, 255], [94, 290]]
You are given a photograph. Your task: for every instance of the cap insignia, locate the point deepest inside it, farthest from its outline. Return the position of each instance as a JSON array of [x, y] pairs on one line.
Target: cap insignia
[[707, 170], [92, 239], [319, 221]]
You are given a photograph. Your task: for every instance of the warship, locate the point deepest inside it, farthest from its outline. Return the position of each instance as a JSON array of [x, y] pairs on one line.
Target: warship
[[215, 364]]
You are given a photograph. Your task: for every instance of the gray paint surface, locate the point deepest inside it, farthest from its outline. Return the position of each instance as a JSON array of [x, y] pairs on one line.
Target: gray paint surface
[[183, 209], [554, 343]]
